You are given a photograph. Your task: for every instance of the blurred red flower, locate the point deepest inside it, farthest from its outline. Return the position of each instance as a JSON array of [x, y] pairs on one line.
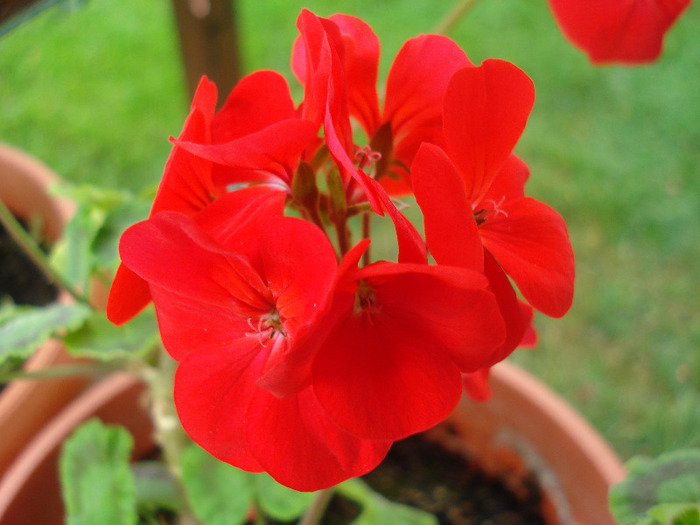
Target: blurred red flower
[[617, 31]]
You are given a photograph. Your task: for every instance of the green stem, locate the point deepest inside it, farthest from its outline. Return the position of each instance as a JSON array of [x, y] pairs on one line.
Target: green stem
[[447, 24], [170, 434], [318, 506], [366, 230], [341, 228], [30, 247]]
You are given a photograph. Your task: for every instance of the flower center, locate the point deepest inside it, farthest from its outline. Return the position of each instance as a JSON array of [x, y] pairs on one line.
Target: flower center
[[490, 209], [366, 157], [364, 298], [269, 326]]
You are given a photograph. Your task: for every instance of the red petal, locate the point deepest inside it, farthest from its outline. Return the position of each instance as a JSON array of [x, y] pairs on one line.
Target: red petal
[[476, 384], [212, 393], [380, 379], [288, 373], [233, 220], [258, 100], [529, 339], [509, 182], [315, 59], [516, 318], [299, 445], [299, 264], [361, 63], [624, 31], [186, 187], [452, 304], [486, 109], [171, 252], [190, 325], [411, 246], [268, 155], [530, 241], [416, 85], [128, 295], [450, 229]]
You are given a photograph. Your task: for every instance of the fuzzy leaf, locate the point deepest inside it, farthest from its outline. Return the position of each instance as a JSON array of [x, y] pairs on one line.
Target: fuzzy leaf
[[663, 490], [100, 339], [219, 494], [73, 255], [377, 509], [278, 501], [97, 484], [23, 329]]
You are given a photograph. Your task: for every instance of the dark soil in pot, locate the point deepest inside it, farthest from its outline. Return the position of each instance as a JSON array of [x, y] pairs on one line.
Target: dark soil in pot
[[425, 475], [20, 279]]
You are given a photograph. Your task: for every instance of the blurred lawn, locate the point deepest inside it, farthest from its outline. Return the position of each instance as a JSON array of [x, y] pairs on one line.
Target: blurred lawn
[[95, 93]]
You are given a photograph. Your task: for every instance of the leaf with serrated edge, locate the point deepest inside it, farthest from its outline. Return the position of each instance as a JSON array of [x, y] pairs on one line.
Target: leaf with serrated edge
[[378, 509], [97, 484], [26, 328], [660, 485], [100, 339]]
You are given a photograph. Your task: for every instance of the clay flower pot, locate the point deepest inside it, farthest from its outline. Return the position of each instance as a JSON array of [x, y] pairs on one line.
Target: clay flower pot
[[527, 428], [30, 490], [26, 405]]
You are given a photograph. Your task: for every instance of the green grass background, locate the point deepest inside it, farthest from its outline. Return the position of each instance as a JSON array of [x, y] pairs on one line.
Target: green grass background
[[96, 92]]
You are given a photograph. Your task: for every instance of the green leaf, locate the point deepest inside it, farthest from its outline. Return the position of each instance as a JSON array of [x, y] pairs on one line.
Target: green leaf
[[100, 339], [23, 329], [378, 509], [662, 490], [280, 502], [106, 242], [97, 484], [676, 514], [73, 255], [219, 494]]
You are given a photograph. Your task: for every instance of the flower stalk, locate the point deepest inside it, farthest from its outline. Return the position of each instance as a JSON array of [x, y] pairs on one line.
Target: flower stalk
[[448, 23], [318, 506]]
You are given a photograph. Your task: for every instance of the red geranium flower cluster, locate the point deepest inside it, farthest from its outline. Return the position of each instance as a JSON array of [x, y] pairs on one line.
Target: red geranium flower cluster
[[297, 355]]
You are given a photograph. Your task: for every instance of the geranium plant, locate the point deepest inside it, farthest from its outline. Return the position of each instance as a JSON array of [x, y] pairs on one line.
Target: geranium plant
[[292, 349], [297, 353]]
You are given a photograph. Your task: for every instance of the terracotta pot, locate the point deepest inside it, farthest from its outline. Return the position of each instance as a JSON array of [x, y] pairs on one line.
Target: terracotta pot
[[30, 489], [527, 428], [26, 405]]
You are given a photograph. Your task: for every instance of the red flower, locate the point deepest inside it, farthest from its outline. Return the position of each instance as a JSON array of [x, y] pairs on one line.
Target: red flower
[[255, 137], [297, 365], [223, 315], [392, 364], [344, 50], [396, 339], [625, 31], [472, 193], [320, 60]]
